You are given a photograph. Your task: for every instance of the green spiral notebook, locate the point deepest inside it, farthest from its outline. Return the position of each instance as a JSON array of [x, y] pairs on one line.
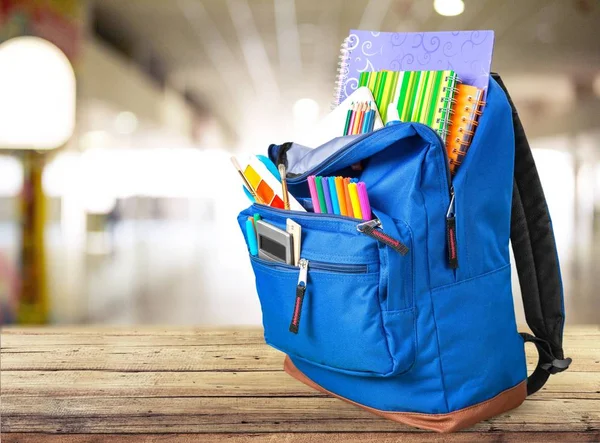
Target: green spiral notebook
[[417, 96]]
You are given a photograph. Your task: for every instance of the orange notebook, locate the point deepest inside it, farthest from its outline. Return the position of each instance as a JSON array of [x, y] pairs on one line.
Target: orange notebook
[[466, 109]]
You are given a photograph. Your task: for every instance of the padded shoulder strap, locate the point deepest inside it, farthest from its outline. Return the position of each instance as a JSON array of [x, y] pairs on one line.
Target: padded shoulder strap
[[536, 258]]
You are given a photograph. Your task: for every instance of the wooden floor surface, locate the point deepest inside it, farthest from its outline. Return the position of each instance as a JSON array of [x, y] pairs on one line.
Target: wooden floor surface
[[75, 385]]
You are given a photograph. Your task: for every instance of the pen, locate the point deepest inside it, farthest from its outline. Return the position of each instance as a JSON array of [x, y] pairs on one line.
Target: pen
[[246, 182], [363, 197], [352, 189], [312, 186], [349, 209], [286, 197], [251, 237]]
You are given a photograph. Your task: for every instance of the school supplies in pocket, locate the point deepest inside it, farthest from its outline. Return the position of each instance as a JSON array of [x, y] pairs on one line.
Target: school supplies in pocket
[[342, 196], [336, 123], [266, 187], [418, 96]]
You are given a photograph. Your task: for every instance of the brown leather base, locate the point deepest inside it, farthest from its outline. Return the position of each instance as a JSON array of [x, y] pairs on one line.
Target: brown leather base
[[452, 421]]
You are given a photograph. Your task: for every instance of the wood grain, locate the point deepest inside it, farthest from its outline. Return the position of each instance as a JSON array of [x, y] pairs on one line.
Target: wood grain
[[77, 385], [315, 437]]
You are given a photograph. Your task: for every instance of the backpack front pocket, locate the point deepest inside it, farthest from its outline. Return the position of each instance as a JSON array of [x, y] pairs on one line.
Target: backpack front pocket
[[331, 311]]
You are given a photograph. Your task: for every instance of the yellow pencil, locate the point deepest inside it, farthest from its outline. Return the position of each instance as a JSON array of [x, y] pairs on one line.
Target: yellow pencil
[[355, 201]]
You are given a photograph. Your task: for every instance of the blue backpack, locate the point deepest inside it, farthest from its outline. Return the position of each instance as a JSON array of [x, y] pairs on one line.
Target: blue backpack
[[411, 315]]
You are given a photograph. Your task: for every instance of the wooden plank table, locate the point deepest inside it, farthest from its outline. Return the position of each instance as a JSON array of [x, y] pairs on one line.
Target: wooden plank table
[[74, 385]]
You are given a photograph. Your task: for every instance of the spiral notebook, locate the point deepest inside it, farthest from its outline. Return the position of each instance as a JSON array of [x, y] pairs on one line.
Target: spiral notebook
[[467, 53], [466, 109], [418, 96]]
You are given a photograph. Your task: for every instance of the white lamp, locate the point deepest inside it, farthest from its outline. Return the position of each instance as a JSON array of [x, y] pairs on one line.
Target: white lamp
[[37, 95], [449, 8]]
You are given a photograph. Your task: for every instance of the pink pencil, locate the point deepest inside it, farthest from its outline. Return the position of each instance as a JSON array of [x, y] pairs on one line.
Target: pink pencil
[[365, 207], [312, 187]]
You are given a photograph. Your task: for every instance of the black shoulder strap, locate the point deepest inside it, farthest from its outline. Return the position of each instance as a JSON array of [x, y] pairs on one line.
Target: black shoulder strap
[[534, 248]]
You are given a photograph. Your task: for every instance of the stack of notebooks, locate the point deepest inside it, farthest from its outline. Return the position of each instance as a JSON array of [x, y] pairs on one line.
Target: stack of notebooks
[[402, 71], [435, 98]]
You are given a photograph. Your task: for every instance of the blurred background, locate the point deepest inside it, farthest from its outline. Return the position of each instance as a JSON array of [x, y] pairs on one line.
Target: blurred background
[[132, 218]]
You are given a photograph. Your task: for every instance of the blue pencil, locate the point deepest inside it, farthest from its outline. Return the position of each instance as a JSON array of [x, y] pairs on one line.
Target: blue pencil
[[334, 199], [367, 121], [371, 120]]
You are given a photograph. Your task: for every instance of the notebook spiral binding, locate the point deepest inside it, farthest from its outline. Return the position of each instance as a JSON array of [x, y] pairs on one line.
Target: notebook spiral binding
[[467, 109], [341, 74]]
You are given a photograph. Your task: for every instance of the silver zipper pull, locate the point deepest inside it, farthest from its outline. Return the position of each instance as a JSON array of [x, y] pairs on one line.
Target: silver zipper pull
[[375, 223], [303, 264], [450, 211], [300, 291], [370, 228], [451, 241]]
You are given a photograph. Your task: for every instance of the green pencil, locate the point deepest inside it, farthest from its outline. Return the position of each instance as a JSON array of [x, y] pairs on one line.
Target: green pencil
[[348, 117]]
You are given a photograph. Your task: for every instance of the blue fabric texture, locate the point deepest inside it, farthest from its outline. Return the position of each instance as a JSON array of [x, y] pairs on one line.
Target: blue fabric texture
[[405, 333]]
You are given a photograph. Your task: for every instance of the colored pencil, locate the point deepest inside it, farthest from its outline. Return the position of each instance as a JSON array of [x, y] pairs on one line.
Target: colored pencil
[[312, 187], [362, 117], [352, 118], [369, 120], [348, 117], [356, 119]]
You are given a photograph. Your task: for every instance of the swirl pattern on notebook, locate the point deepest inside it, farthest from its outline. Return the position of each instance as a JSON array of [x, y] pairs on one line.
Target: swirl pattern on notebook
[[468, 53]]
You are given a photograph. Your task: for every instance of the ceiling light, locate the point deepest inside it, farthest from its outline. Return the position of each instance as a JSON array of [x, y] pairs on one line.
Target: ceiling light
[[449, 8], [37, 86], [126, 123]]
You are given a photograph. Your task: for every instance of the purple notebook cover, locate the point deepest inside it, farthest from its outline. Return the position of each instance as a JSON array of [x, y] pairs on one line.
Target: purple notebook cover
[[468, 53]]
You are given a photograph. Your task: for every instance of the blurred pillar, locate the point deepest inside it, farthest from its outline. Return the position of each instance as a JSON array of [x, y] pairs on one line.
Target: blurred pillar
[[61, 23], [33, 305]]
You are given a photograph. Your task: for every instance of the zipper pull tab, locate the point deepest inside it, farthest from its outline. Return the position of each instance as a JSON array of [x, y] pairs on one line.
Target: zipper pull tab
[[451, 233], [370, 228], [300, 291]]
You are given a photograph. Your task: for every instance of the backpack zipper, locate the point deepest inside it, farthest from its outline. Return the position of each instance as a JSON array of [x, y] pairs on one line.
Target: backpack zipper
[[451, 233], [367, 228], [300, 291], [370, 228], [451, 239], [303, 279]]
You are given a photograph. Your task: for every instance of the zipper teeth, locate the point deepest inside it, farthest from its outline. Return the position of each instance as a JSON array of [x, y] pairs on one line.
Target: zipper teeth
[[299, 178], [333, 267], [346, 269], [336, 154], [284, 212]]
